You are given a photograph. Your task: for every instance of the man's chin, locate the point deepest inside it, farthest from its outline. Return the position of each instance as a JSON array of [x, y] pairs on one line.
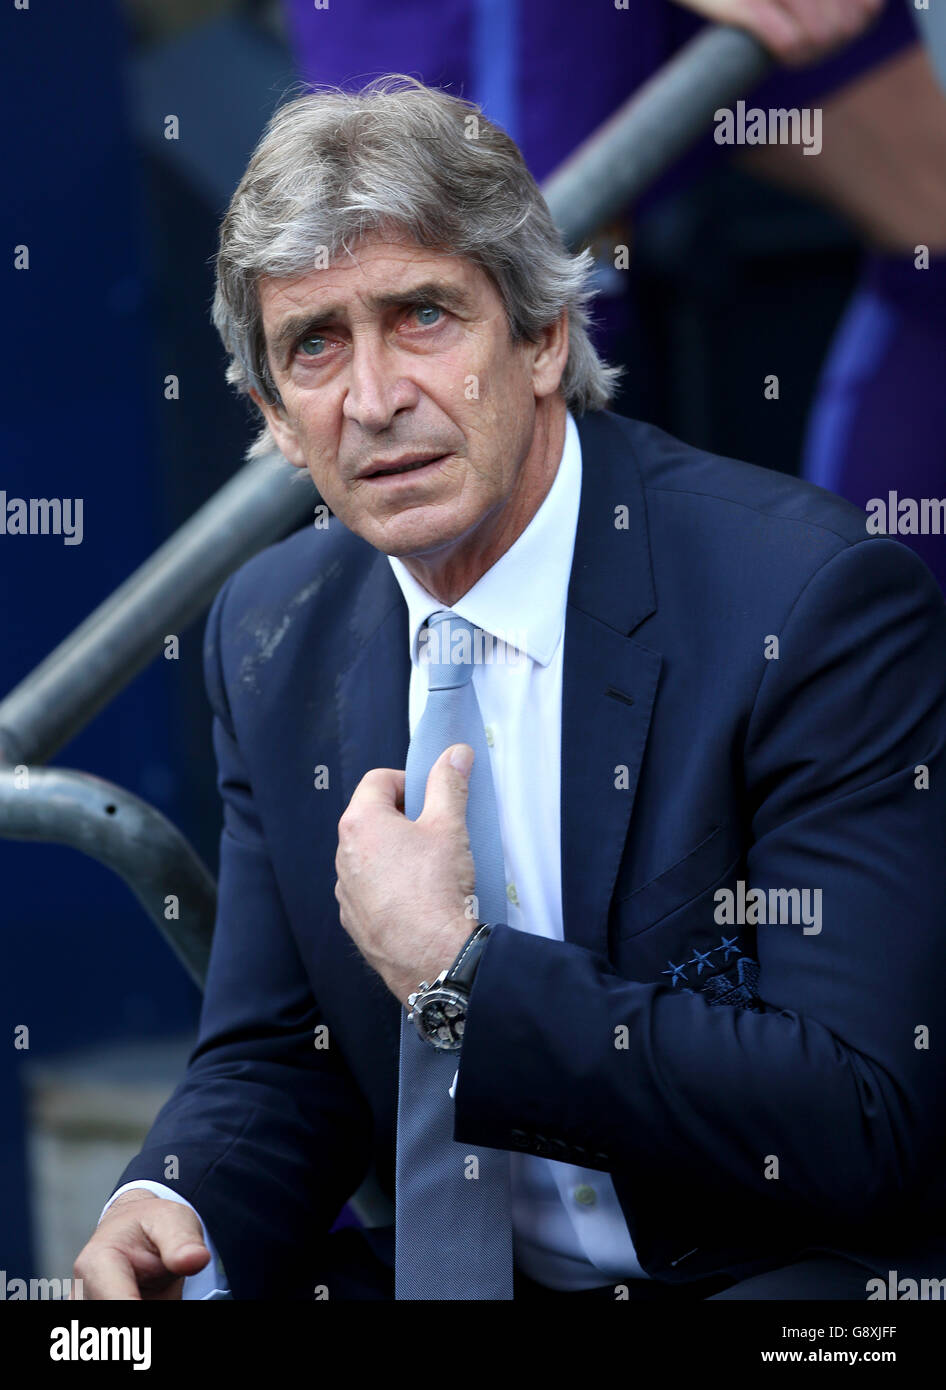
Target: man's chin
[[410, 533]]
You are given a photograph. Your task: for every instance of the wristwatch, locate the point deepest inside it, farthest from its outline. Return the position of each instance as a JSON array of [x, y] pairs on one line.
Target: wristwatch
[[438, 1010]]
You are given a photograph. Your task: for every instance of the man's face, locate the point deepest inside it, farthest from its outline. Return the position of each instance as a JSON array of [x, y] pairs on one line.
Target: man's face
[[397, 354]]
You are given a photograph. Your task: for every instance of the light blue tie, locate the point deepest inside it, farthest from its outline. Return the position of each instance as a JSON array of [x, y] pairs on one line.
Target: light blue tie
[[453, 1227]]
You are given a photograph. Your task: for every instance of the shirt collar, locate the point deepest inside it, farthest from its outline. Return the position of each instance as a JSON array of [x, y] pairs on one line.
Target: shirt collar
[[522, 597]]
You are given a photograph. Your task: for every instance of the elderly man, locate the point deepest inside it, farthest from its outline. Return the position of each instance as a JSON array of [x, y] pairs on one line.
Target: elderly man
[[580, 876]]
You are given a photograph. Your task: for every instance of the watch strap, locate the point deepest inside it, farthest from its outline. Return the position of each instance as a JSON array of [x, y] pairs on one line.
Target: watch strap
[[463, 970]]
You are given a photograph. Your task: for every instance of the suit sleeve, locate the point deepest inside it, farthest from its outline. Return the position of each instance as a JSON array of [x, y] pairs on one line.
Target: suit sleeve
[[269, 1132], [841, 1073]]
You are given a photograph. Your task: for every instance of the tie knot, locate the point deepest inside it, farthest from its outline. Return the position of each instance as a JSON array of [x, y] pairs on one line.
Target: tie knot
[[448, 649]]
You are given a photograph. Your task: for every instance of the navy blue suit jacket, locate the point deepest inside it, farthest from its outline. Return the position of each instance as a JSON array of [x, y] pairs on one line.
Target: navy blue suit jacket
[[678, 1055]]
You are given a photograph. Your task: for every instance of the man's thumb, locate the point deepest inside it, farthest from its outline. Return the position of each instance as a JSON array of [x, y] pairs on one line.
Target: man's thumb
[[461, 757], [179, 1239], [447, 783]]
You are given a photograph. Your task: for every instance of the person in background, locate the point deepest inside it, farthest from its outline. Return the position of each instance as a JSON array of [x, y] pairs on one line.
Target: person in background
[[882, 166]]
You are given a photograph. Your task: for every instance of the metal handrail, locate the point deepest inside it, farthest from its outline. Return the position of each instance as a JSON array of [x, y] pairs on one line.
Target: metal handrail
[[259, 505], [172, 588], [172, 883], [666, 115]]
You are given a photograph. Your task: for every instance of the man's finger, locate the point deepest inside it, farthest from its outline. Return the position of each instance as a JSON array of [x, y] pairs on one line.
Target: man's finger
[[382, 786], [106, 1271]]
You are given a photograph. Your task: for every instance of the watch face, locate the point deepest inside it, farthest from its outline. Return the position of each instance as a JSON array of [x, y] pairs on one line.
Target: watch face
[[440, 1019]]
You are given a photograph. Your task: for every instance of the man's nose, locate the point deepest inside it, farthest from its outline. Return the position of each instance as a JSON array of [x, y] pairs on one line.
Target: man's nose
[[377, 387]]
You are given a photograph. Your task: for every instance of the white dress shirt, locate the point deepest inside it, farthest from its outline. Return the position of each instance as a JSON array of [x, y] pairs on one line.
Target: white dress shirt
[[568, 1228]]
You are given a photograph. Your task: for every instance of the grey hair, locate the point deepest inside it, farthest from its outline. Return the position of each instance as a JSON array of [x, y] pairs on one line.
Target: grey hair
[[398, 157]]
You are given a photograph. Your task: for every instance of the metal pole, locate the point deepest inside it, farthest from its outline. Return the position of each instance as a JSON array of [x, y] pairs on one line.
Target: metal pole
[[655, 125], [173, 885], [263, 502]]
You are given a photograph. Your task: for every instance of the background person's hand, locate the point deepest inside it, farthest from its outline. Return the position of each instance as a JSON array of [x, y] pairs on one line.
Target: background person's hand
[[795, 32], [143, 1248]]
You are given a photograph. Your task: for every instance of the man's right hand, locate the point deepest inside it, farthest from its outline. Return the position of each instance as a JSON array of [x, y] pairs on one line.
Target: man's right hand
[[143, 1248]]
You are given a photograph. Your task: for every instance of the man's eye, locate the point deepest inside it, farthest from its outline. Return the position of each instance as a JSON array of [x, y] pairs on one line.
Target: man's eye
[[312, 347], [427, 309]]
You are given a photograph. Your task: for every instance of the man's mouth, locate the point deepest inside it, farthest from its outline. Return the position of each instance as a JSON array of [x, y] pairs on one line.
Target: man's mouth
[[408, 466]]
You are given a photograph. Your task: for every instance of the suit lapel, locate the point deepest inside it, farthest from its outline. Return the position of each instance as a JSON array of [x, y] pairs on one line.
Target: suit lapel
[[372, 691], [371, 696], [609, 680]]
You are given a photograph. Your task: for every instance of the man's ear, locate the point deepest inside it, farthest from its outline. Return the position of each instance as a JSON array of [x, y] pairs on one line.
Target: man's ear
[[281, 430], [549, 361]]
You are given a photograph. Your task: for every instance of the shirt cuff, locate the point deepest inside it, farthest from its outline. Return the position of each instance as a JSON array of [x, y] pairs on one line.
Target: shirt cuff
[[452, 1093], [209, 1282]]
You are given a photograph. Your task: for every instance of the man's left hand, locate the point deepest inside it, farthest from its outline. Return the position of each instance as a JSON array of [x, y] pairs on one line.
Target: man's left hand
[[405, 887]]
